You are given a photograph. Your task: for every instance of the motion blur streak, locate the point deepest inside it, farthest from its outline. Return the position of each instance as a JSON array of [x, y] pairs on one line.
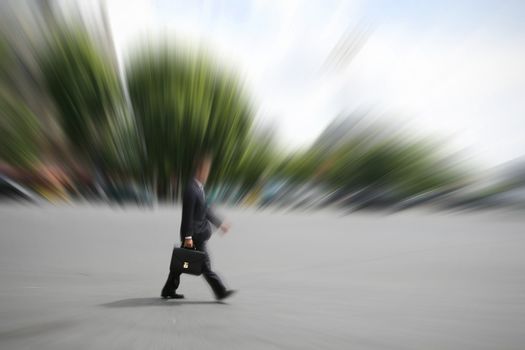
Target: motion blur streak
[[354, 209], [79, 123]]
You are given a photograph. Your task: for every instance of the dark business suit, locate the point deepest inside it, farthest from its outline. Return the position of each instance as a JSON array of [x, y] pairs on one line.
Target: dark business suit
[[196, 218]]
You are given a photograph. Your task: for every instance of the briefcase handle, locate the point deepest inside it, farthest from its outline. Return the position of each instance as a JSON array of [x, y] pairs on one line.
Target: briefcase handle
[[193, 248]]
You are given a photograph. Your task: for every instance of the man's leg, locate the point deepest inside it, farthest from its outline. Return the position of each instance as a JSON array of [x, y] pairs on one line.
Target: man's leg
[[211, 277], [172, 283]]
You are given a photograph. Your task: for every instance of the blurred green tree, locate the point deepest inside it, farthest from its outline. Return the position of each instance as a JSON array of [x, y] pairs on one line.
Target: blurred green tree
[[19, 132], [82, 79], [185, 104], [362, 159], [19, 129]]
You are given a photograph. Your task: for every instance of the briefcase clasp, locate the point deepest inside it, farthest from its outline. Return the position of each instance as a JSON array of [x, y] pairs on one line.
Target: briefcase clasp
[[185, 265]]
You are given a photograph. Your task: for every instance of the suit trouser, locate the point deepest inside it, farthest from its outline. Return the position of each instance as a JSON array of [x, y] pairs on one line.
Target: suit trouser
[[211, 277]]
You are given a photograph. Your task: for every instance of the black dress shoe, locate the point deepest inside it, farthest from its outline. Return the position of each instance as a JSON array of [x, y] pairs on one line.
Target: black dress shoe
[[172, 296], [226, 294]]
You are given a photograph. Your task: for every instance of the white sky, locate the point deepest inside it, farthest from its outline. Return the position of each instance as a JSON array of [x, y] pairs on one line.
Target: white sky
[[452, 68]]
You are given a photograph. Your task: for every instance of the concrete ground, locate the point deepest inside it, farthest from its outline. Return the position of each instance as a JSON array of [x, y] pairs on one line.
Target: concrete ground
[[84, 277]]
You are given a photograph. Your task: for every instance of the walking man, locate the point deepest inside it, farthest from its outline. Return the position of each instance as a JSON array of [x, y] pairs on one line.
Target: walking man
[[195, 231]]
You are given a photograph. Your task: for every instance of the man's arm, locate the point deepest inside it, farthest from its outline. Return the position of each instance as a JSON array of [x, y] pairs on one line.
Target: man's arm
[[211, 217], [188, 208], [216, 221]]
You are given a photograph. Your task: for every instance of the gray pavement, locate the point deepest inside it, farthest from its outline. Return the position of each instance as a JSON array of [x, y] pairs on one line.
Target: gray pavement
[[85, 277]]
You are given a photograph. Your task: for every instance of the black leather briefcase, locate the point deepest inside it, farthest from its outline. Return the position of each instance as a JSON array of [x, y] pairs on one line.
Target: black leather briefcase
[[186, 260]]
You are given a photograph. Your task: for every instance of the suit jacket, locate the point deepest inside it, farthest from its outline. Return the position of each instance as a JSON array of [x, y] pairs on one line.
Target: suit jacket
[[196, 215]]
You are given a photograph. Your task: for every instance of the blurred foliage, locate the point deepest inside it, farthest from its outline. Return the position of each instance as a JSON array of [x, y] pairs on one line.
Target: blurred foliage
[[82, 79], [257, 163], [83, 85], [366, 161], [185, 105], [175, 102], [19, 132], [19, 129]]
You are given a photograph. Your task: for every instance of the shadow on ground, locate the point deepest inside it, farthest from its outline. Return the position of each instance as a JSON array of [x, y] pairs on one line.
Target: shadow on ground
[[137, 302]]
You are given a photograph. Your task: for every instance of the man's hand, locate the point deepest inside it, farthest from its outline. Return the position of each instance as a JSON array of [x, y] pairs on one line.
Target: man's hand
[[188, 243], [225, 227]]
